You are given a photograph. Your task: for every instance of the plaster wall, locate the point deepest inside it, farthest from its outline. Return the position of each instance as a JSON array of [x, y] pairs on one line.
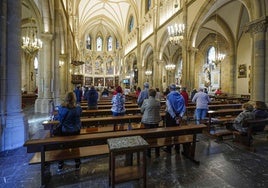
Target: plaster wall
[[244, 57]]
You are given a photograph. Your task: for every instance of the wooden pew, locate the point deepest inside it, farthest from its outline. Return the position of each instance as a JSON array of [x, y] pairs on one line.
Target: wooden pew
[[103, 121], [220, 117], [109, 106], [251, 127], [190, 109], [81, 145], [105, 112], [100, 103]]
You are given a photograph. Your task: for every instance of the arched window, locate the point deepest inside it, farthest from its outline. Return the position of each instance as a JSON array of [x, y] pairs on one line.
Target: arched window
[[130, 24], [35, 63], [210, 71], [211, 55], [148, 5], [99, 44], [110, 43], [88, 42]]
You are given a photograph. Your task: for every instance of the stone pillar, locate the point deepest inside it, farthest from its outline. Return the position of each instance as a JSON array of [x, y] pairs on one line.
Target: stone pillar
[[42, 104], [15, 124], [257, 28], [62, 78], [191, 69]]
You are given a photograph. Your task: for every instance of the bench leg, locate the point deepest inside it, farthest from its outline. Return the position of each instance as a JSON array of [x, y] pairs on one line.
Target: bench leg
[[189, 150], [45, 169], [144, 168]]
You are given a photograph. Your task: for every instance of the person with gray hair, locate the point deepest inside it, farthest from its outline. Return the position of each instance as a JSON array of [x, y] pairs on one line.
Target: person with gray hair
[[201, 99], [150, 110], [246, 114], [144, 94]]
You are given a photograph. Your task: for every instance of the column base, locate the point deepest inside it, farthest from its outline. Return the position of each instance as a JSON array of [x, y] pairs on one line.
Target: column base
[[15, 132]]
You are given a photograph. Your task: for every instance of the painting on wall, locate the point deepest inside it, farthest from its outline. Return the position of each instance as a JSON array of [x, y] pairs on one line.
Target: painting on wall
[[242, 71]]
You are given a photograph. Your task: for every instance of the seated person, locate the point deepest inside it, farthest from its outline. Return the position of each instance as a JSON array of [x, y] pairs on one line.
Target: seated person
[[260, 113], [246, 114]]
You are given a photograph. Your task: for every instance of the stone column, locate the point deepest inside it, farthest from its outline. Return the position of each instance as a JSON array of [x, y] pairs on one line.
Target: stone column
[[191, 69], [62, 77], [15, 125], [257, 28], [42, 104]]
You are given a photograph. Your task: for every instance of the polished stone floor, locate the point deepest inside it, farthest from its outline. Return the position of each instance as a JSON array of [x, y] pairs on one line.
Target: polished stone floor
[[222, 164]]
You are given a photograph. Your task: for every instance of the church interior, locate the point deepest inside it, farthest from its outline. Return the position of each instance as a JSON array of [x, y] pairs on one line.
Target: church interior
[[49, 47]]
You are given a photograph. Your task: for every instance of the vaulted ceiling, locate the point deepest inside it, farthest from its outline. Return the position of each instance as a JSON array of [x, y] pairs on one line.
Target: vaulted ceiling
[[112, 14]]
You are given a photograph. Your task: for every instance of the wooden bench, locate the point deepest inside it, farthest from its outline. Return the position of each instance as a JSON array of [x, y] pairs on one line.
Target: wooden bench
[[220, 117], [251, 127], [100, 103], [103, 121], [105, 112], [53, 148], [190, 109], [109, 106]]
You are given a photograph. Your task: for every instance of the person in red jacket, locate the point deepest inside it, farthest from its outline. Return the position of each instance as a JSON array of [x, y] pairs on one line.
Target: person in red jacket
[[218, 91], [185, 95]]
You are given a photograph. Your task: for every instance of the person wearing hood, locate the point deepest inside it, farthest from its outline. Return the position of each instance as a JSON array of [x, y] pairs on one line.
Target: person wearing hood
[[175, 109], [92, 98]]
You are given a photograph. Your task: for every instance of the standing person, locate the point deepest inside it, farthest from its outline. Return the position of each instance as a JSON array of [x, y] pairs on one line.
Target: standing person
[[92, 98], [201, 99], [185, 95], [194, 91], [78, 94], [151, 115], [118, 104], [69, 116], [166, 92], [158, 94], [175, 109], [144, 94], [138, 91], [85, 93]]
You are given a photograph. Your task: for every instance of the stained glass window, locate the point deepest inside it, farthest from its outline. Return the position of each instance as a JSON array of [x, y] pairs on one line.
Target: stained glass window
[[88, 42], [99, 44], [148, 5], [110, 43], [131, 24]]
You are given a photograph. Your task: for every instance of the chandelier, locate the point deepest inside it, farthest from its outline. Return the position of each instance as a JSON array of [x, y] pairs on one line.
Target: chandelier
[[170, 66], [148, 72], [175, 33], [31, 44], [219, 57]]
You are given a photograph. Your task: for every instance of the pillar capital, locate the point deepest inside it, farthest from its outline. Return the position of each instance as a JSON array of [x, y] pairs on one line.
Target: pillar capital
[[257, 26]]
